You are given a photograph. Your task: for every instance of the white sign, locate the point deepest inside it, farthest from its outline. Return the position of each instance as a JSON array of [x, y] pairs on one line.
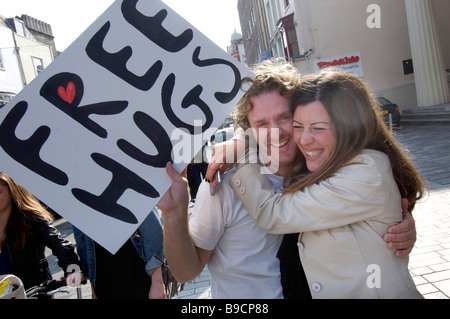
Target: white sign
[[350, 63], [91, 135]]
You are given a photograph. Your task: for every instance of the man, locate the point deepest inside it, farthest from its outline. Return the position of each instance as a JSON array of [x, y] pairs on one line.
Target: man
[[220, 233]]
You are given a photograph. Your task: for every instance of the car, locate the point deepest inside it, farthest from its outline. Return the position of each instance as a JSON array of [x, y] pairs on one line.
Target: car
[[5, 97], [388, 107], [222, 135]]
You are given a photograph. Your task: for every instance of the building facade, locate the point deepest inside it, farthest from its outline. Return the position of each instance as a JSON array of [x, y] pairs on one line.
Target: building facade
[[250, 30], [373, 39], [41, 31], [11, 79], [22, 55], [236, 48]]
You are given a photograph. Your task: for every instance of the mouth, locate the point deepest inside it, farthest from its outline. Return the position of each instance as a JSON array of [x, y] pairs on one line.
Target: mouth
[[314, 154], [280, 144]]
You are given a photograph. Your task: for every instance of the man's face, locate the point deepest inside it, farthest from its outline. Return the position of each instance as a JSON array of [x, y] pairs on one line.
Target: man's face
[[272, 111]]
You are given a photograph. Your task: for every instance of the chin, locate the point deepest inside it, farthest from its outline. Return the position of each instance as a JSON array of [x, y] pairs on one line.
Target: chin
[[312, 167]]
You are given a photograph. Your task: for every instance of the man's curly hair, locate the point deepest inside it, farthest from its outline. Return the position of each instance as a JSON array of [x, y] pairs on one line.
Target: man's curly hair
[[270, 75]]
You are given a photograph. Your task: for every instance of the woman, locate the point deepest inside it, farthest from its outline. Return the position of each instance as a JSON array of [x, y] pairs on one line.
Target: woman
[[343, 192], [25, 231]]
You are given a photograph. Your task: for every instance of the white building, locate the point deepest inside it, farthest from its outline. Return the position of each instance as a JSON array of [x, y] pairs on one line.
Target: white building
[[236, 48], [400, 48], [22, 57], [11, 80]]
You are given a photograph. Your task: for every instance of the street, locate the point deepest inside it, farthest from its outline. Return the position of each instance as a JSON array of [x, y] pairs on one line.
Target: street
[[430, 260]]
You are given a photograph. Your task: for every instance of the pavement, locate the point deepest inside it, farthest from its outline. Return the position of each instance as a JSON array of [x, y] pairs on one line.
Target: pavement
[[429, 262]]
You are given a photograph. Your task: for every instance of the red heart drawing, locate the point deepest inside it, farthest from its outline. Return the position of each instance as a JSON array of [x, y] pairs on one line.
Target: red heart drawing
[[67, 94]]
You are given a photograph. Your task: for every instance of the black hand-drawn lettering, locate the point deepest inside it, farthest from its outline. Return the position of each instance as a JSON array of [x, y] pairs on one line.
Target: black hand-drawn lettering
[[152, 27], [192, 98], [26, 152], [157, 134], [222, 97], [117, 62], [122, 180], [65, 91]]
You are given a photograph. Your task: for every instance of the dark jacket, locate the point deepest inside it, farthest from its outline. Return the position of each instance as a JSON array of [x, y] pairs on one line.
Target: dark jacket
[[29, 263], [293, 278]]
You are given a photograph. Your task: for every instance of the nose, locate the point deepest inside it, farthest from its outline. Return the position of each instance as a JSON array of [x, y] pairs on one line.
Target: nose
[[305, 137]]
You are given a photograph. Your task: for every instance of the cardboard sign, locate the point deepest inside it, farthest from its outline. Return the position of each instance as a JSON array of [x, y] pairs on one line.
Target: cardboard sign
[[91, 135]]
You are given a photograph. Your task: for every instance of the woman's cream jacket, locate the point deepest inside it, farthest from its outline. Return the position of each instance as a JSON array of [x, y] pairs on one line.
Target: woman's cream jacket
[[341, 221]]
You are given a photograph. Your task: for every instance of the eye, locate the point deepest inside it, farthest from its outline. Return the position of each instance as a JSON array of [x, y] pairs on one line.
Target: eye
[[285, 118], [261, 125]]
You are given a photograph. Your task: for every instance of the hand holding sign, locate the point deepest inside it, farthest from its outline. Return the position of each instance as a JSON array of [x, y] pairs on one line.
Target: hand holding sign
[[177, 197]]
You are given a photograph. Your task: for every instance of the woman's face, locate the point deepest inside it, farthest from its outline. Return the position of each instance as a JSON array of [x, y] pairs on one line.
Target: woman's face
[[314, 134], [5, 199]]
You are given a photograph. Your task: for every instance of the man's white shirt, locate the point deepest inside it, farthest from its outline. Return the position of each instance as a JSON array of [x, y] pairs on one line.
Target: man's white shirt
[[243, 263]]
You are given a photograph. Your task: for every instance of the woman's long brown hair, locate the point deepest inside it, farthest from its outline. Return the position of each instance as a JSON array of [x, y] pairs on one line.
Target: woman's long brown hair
[[25, 207], [358, 125]]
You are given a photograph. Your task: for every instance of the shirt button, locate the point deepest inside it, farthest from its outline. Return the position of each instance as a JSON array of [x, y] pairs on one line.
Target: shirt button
[[237, 182], [242, 190], [316, 287]]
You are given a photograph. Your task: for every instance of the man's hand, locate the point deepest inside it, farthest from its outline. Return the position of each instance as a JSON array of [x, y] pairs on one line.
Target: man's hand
[[224, 155], [157, 289], [402, 237], [185, 259], [177, 197]]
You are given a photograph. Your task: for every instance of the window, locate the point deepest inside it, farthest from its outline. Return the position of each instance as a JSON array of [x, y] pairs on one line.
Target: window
[[20, 29], [293, 42], [408, 67], [252, 17], [258, 48], [2, 64], [5, 98], [38, 65], [271, 16], [290, 41], [274, 7]]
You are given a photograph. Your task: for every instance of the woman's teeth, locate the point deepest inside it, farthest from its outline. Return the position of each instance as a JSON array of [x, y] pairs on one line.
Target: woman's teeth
[[314, 154]]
